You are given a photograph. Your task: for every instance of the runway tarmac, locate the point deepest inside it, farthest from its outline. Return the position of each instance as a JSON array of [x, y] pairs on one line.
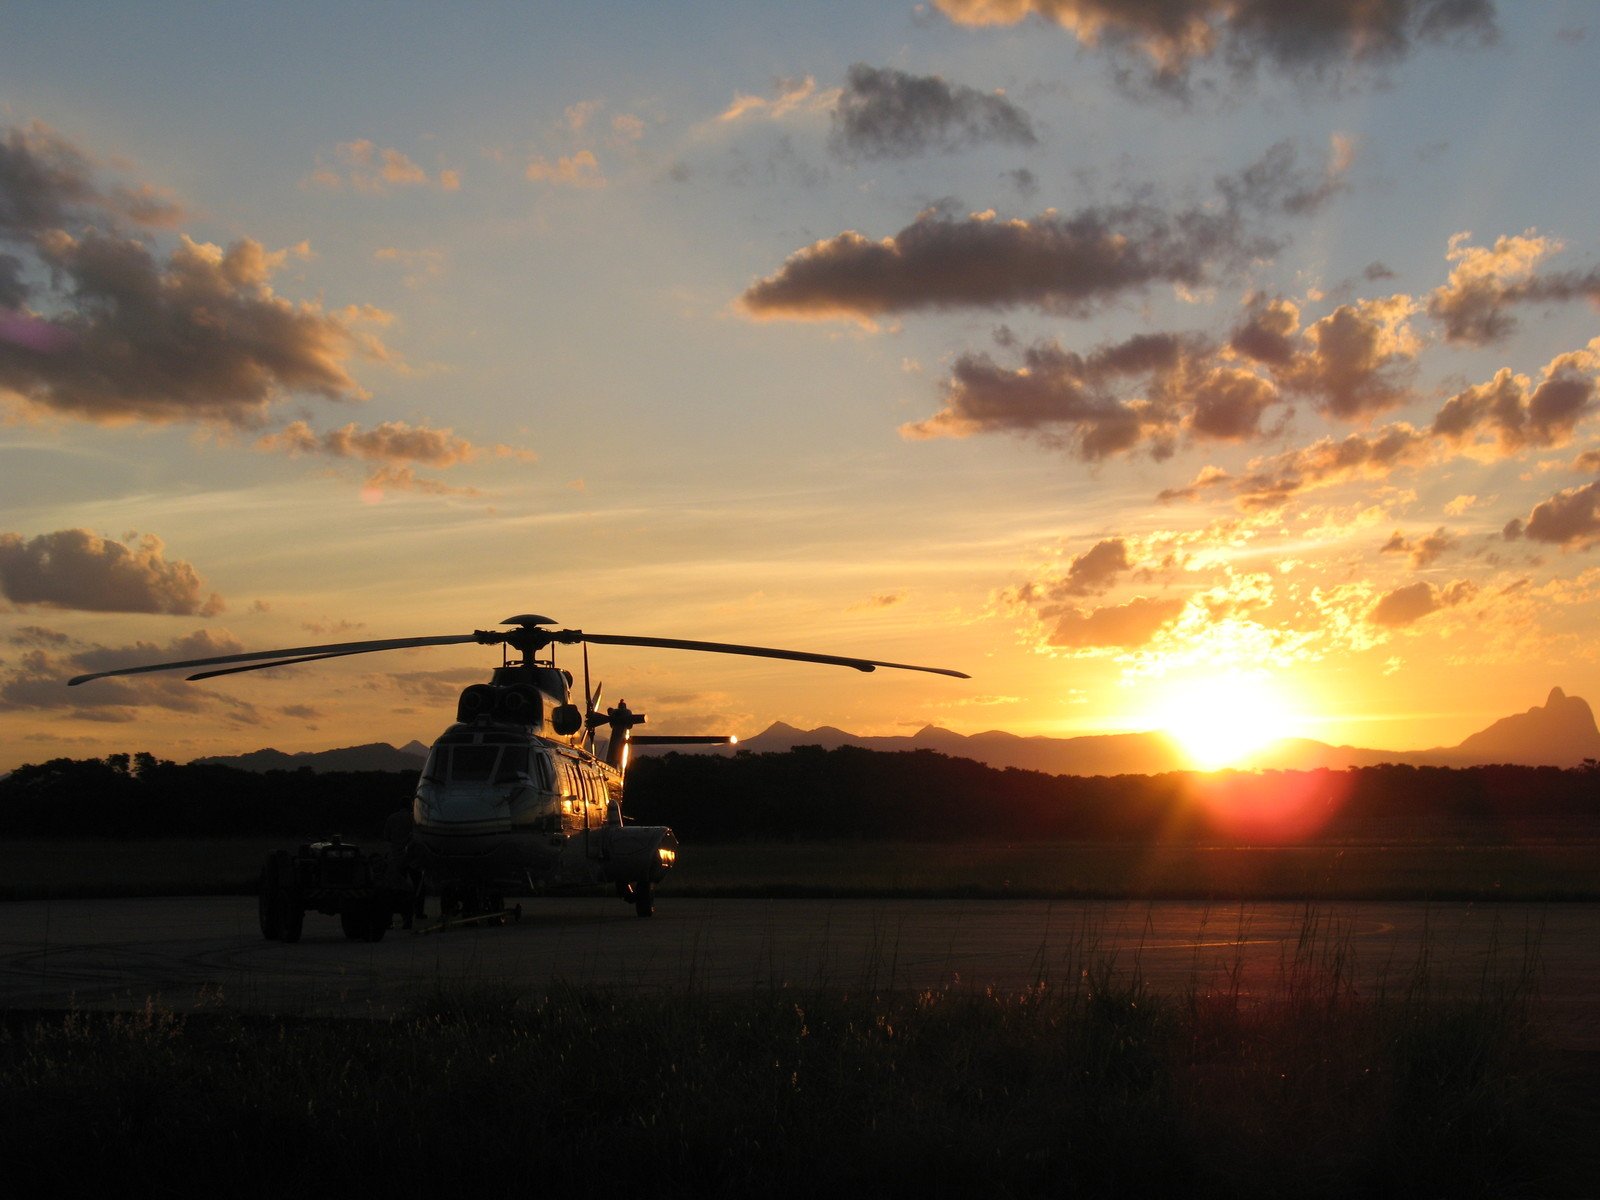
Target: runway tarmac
[[206, 952]]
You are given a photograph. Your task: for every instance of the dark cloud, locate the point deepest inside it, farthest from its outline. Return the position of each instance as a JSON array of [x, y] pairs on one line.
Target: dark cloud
[[1570, 518], [1354, 362], [1358, 359], [1516, 417], [38, 681], [1425, 550], [1169, 38], [1409, 604], [78, 569], [1121, 625], [1277, 183], [1055, 393], [884, 113], [47, 183], [117, 332], [1068, 265], [1150, 391]]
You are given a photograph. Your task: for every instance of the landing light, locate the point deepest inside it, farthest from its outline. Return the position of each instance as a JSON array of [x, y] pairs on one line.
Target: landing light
[[667, 856]]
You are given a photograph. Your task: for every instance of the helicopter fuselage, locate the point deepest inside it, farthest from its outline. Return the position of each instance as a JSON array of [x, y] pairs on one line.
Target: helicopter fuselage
[[505, 810]]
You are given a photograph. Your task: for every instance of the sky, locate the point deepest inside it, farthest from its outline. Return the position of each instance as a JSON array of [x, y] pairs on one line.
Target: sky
[[1199, 365]]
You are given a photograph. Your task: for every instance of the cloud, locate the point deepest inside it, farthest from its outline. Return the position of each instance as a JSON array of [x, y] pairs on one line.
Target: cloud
[[1517, 414], [1089, 573], [420, 266], [78, 569], [1066, 265], [1425, 551], [1168, 39], [404, 479], [199, 338], [881, 600], [577, 170], [103, 329], [38, 681], [1276, 182], [1409, 604], [794, 96], [392, 441], [1150, 390], [884, 113], [1486, 283], [364, 166], [1354, 362], [1121, 625], [48, 183], [395, 444], [1570, 518], [1271, 482]]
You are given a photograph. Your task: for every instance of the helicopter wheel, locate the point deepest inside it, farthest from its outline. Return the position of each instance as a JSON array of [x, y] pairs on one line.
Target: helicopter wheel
[[625, 893], [644, 901], [294, 917]]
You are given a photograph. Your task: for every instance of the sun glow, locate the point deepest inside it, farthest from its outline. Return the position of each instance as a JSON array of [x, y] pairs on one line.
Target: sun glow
[[1221, 720]]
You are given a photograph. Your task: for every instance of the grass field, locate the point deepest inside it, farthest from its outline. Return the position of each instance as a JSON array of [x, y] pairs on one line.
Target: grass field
[[1547, 868], [1091, 1086]]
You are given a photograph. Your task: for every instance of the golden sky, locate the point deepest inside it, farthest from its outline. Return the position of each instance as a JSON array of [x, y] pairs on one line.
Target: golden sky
[[1212, 359]]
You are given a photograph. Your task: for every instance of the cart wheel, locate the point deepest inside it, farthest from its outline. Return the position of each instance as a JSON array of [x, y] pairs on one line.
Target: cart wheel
[[269, 906], [294, 917]]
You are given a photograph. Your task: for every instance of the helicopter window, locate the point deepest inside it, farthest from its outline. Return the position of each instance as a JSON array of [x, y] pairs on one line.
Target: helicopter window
[[513, 765], [546, 778], [472, 764]]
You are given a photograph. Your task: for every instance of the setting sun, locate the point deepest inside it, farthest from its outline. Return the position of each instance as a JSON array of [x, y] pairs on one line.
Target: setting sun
[[1220, 720]]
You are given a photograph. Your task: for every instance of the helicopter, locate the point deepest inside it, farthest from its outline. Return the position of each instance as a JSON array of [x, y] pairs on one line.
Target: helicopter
[[514, 797]]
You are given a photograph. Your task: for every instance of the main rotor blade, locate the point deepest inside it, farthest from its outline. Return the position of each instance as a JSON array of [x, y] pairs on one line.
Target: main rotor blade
[[333, 650], [859, 664], [264, 666]]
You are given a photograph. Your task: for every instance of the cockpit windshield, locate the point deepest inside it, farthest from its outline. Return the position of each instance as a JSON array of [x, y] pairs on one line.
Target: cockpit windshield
[[484, 764]]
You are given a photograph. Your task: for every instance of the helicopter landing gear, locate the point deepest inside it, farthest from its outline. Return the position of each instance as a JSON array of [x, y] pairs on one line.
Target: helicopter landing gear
[[639, 894], [468, 906]]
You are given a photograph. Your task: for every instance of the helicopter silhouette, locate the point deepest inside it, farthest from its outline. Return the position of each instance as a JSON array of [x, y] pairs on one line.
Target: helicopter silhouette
[[514, 798]]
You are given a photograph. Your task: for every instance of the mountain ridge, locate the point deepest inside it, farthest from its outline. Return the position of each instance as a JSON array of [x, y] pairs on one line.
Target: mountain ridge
[[1559, 733]]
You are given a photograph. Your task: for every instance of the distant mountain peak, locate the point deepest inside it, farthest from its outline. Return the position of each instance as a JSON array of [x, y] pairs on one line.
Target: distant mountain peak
[[1561, 733]]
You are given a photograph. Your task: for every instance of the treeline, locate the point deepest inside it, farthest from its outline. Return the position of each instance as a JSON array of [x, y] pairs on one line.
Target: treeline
[[142, 796], [814, 793], [921, 794]]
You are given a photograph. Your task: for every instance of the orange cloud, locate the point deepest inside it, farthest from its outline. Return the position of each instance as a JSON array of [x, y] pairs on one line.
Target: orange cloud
[[364, 166], [1116, 626], [392, 442], [1486, 283], [1409, 604], [579, 170]]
